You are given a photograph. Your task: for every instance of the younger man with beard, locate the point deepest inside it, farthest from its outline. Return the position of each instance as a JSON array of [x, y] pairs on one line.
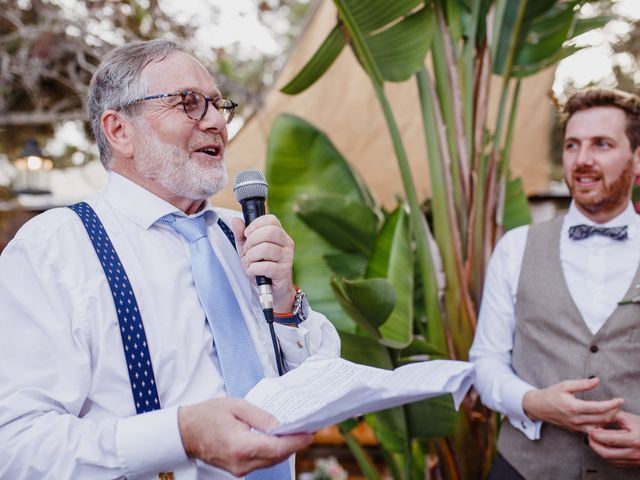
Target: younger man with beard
[[125, 364], [557, 347]]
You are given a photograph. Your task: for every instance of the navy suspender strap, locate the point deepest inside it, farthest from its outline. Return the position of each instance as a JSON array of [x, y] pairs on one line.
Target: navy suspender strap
[[134, 339]]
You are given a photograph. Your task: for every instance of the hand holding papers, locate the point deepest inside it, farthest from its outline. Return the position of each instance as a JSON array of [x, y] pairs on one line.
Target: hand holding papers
[[324, 391]]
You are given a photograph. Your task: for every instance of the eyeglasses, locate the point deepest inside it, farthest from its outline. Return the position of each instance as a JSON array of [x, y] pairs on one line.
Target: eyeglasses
[[195, 105]]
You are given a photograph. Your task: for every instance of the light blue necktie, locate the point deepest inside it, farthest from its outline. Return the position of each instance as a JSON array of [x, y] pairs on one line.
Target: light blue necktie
[[239, 362]]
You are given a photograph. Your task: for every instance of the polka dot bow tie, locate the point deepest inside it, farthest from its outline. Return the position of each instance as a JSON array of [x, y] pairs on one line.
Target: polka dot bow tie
[[579, 232]]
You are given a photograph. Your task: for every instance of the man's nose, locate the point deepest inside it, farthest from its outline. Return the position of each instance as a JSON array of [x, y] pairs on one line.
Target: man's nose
[[213, 120], [584, 156]]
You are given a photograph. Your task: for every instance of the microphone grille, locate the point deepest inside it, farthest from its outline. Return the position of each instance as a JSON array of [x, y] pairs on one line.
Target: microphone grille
[[249, 184]]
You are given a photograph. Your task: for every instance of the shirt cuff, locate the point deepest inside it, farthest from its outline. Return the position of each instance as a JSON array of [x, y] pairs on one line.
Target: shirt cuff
[[511, 395], [293, 343], [150, 442]]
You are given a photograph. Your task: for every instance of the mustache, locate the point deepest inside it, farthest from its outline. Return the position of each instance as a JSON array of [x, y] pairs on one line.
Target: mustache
[[216, 138], [583, 170]]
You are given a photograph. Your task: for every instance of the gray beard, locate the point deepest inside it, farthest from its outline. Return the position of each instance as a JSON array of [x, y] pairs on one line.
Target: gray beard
[[173, 169]]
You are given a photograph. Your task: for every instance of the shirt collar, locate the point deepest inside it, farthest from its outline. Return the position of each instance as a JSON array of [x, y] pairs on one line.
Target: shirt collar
[[628, 217], [143, 207]]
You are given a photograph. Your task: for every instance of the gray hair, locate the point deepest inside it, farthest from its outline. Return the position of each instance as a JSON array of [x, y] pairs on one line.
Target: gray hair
[[117, 82]]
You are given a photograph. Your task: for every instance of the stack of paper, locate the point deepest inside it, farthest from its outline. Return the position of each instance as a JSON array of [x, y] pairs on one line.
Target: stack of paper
[[324, 391]]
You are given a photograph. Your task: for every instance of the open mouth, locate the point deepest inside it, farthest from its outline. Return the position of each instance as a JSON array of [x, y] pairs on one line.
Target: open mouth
[[212, 150], [586, 181]]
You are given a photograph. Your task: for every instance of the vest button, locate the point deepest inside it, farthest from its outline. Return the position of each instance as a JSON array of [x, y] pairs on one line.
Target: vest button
[[594, 348]]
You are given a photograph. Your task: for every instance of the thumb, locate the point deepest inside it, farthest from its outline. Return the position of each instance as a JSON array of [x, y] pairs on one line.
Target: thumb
[[254, 416], [238, 228]]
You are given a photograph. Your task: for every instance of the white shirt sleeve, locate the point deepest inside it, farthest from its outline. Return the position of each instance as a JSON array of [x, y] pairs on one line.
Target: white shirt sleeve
[[498, 385], [43, 389]]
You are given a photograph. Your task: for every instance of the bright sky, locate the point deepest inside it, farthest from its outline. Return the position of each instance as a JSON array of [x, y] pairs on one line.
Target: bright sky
[[237, 22]]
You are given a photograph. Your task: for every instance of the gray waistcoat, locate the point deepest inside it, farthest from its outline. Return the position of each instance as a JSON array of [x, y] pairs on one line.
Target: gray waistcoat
[[552, 343]]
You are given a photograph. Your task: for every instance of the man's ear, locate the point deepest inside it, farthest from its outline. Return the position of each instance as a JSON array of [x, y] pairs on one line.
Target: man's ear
[[119, 133]]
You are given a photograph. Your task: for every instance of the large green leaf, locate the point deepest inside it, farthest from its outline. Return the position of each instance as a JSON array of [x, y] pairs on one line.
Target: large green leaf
[[373, 14], [368, 301], [302, 160], [545, 36], [419, 349], [392, 258], [346, 265], [584, 25], [344, 222], [516, 206], [399, 51], [369, 15], [434, 417], [318, 64], [367, 351], [390, 428], [521, 71]]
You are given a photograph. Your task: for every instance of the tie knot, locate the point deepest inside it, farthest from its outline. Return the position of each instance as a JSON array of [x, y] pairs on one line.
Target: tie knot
[[192, 229], [579, 232]]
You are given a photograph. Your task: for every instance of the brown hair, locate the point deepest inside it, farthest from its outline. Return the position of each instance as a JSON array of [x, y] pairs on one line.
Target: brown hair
[[606, 97]]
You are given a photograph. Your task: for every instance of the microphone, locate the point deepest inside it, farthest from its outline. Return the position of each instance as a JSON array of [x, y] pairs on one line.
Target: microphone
[[250, 188]]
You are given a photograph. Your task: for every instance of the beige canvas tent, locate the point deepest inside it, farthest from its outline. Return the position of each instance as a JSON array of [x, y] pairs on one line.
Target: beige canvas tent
[[342, 103]]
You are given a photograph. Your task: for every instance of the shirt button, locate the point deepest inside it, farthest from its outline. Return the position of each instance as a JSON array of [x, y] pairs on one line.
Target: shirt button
[[594, 348], [299, 344], [523, 425]]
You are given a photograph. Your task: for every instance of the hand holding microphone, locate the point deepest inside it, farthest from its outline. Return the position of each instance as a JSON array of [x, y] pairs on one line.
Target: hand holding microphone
[[265, 249]]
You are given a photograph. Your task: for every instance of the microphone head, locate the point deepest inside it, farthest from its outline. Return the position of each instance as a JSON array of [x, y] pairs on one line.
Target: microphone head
[[250, 184]]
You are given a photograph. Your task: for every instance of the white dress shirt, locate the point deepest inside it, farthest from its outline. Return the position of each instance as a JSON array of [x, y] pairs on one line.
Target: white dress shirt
[[598, 271], [66, 408]]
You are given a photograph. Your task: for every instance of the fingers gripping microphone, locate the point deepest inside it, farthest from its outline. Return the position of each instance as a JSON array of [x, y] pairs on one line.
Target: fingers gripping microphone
[[250, 188]]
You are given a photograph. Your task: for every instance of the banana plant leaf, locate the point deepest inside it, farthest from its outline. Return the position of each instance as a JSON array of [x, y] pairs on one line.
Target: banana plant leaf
[[420, 349], [369, 302], [371, 15], [516, 206], [547, 26], [344, 222], [546, 36], [522, 71], [301, 160], [434, 417], [583, 25], [367, 351], [390, 428], [319, 63], [346, 265], [399, 51], [392, 258]]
